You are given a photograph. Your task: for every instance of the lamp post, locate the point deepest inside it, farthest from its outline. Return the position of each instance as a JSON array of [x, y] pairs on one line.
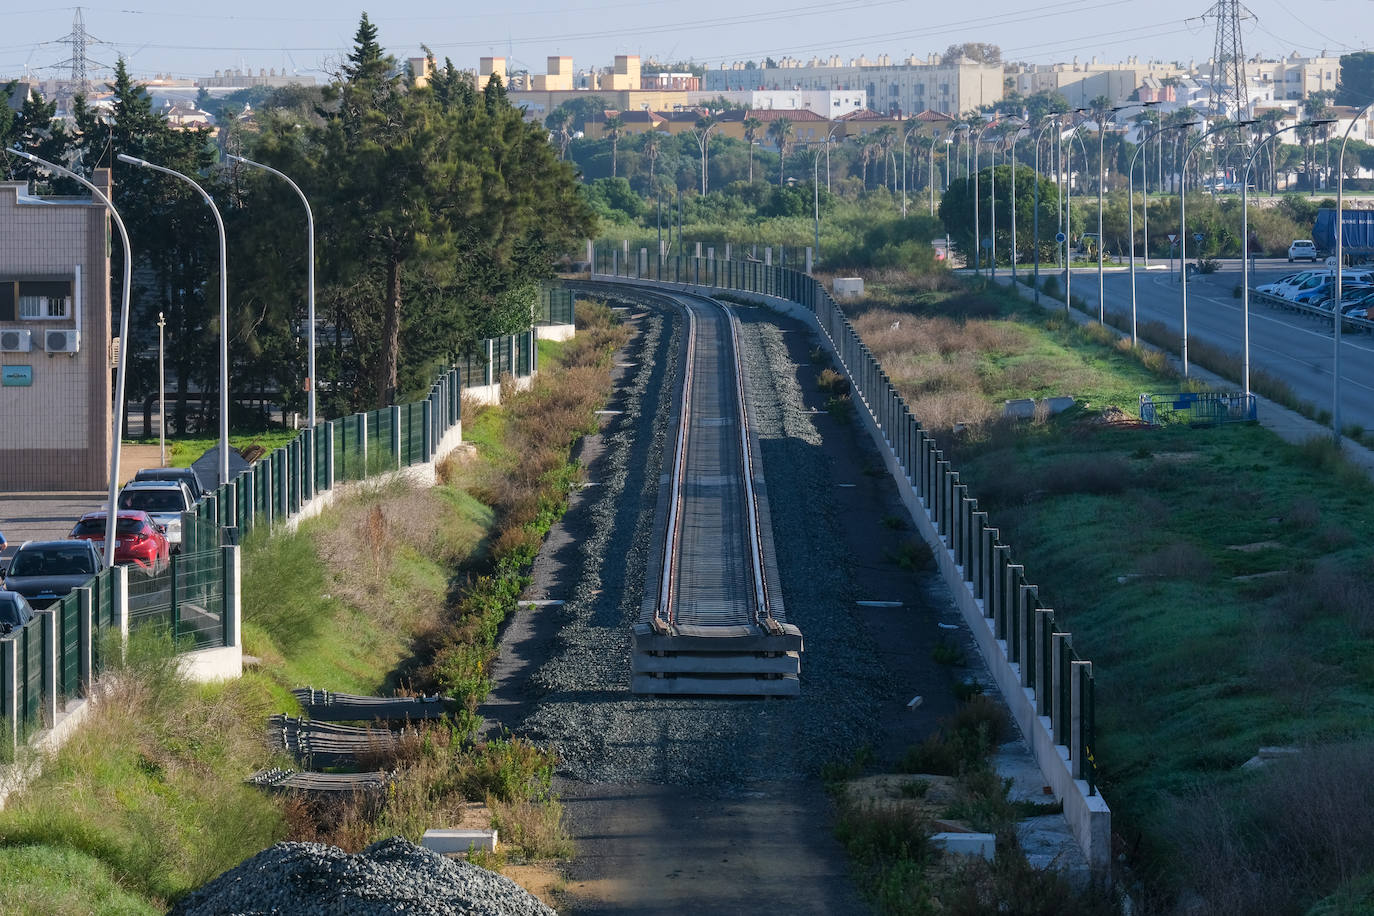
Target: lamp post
[[905, 137], [816, 198], [1183, 228], [1340, 266], [828, 135], [223, 312], [1130, 200], [1068, 218], [1035, 219], [977, 229], [161, 396], [1245, 247], [1020, 125], [1101, 178], [930, 177], [121, 374], [309, 277]]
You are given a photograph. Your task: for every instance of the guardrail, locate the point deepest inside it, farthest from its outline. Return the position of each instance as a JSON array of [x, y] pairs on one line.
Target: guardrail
[[1301, 308], [1047, 685]]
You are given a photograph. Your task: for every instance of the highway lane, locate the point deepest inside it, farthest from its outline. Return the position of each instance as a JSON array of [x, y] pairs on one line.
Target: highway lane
[[1290, 346]]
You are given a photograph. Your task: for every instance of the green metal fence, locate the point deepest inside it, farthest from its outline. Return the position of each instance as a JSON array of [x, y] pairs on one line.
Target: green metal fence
[[188, 598]]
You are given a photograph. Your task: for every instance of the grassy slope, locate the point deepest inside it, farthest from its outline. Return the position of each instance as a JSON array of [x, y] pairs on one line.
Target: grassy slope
[[1196, 667], [147, 801]]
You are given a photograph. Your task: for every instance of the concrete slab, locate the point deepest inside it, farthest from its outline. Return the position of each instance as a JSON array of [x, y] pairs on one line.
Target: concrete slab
[[716, 686], [459, 842], [967, 844], [716, 663]]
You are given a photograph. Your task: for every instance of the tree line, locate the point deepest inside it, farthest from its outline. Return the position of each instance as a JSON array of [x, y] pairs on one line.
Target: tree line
[[438, 209]]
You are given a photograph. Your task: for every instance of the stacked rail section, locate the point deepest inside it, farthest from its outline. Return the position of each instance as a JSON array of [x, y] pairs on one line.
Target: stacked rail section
[[712, 620]]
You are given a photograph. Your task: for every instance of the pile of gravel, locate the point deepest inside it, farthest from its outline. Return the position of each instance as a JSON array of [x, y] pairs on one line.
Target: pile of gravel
[[604, 734], [390, 877]]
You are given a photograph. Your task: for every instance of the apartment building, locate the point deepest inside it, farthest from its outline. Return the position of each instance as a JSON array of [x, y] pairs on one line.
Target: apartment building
[[54, 340], [899, 89]]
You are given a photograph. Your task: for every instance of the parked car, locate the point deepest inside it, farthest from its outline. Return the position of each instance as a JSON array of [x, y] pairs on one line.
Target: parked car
[[138, 540], [1351, 296], [1292, 290], [45, 571], [1303, 248], [185, 475], [15, 611], [164, 500]]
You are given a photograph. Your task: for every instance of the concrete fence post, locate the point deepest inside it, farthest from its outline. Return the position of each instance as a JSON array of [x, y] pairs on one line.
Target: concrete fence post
[[1012, 578], [698, 249], [1060, 651], [968, 506], [283, 484], [942, 485], [1044, 660], [768, 256], [119, 600], [48, 710], [642, 267], [1025, 639], [329, 456], [1028, 597], [232, 606], [997, 581], [85, 639], [727, 251], [362, 424], [982, 556], [808, 259], [1081, 671], [396, 432], [10, 649]]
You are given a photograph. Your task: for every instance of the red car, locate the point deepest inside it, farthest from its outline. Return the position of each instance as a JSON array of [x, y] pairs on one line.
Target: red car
[[137, 538]]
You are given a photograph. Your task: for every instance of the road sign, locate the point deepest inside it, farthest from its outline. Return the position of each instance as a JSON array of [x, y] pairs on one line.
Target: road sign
[[1059, 237], [1172, 238], [987, 242], [1331, 263], [1197, 236]]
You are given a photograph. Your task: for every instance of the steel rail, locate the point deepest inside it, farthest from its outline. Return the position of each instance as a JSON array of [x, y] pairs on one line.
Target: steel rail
[[666, 614]]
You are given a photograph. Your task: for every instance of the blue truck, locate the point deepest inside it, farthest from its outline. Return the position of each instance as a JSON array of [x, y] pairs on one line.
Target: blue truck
[[1357, 234]]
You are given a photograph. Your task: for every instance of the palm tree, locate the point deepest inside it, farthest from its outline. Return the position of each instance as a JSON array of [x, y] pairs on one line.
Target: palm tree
[[702, 132], [868, 151], [612, 129], [885, 138], [652, 144], [751, 133], [560, 122], [781, 132]]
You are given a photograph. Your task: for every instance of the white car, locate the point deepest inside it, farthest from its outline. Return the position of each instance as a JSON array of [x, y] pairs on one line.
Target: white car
[[1303, 248]]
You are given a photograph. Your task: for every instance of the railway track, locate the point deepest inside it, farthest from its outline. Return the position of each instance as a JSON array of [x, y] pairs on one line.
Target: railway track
[[712, 620]]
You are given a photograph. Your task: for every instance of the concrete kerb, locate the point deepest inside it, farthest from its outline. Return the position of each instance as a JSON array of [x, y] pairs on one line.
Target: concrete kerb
[[1088, 816]]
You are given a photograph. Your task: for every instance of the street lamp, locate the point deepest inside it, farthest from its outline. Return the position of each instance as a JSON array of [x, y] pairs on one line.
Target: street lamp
[[161, 395], [1020, 125], [1183, 227], [223, 312], [117, 423], [1130, 199], [1340, 266], [828, 135], [1068, 215], [930, 178], [977, 229], [1245, 246], [309, 277], [905, 137], [816, 197], [1036, 215], [1101, 179]]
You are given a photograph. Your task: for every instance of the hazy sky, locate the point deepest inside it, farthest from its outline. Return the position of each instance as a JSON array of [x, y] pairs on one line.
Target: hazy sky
[[310, 36]]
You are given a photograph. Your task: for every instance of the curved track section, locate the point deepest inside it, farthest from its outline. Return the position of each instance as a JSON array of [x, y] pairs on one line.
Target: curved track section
[[712, 621]]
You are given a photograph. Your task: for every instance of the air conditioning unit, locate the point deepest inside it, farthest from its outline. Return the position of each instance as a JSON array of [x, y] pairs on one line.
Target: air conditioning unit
[[61, 341], [16, 340]]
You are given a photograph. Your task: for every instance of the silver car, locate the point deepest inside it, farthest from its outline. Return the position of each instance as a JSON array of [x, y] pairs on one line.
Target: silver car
[[163, 500]]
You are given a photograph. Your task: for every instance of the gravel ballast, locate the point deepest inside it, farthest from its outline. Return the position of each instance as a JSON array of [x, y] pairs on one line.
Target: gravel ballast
[[390, 877], [586, 713]]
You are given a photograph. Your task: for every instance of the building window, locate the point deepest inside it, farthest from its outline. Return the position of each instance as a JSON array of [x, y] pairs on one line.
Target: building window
[[37, 298]]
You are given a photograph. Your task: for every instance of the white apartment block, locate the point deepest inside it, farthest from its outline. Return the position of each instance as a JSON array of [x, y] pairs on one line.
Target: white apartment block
[[1292, 78], [829, 103], [902, 88]]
